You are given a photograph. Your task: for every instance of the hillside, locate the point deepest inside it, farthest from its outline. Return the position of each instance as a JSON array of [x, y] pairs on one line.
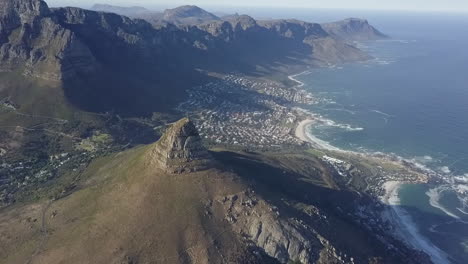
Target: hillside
[[237, 208], [353, 29], [188, 15], [126, 11], [76, 80], [77, 48], [85, 94]]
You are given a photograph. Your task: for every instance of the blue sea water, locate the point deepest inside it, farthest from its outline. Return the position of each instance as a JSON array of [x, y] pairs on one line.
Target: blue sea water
[[412, 101]]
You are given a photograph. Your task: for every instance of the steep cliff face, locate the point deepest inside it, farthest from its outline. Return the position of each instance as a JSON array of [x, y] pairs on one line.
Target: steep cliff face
[[103, 58], [14, 13], [135, 207], [279, 237], [63, 43], [295, 29], [325, 48], [353, 29], [180, 150], [32, 40], [287, 38]]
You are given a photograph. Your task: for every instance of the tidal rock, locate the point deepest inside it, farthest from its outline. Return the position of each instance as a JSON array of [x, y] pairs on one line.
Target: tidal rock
[[180, 150]]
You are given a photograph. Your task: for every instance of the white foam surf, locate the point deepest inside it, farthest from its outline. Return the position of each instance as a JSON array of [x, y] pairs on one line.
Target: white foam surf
[[435, 195], [322, 121], [406, 229], [322, 144]]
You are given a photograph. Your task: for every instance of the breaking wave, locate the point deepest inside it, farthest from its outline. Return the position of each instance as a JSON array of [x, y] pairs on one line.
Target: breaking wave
[[324, 122]]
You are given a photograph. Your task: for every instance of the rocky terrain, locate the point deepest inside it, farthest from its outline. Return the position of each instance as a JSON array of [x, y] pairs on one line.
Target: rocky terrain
[[353, 29], [182, 15], [188, 15], [249, 208], [77, 48], [84, 97], [33, 41], [180, 149]]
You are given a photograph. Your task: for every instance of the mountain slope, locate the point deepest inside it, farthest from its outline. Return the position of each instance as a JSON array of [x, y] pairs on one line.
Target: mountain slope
[[78, 48], [126, 11], [74, 80], [33, 41], [353, 29], [133, 12], [188, 14], [127, 209]]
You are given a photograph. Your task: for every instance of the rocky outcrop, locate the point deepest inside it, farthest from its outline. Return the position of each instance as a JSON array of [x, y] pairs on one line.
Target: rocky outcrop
[[262, 224], [353, 29], [325, 48], [63, 43], [180, 150], [102, 58], [295, 29], [308, 39], [31, 39]]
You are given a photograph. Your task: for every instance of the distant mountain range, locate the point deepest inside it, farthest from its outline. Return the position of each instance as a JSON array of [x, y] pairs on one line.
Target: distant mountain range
[[183, 15], [127, 11], [107, 53], [353, 29], [350, 29], [85, 94]]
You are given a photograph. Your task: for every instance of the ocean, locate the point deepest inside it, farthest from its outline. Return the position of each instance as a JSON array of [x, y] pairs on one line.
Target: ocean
[[410, 101]]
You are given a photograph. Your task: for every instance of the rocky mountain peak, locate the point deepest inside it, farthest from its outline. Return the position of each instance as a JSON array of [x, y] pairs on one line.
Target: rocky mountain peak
[[188, 14], [353, 29], [14, 13], [243, 22], [180, 149], [26, 9]]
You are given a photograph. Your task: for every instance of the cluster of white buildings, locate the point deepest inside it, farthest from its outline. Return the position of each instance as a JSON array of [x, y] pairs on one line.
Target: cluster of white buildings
[[241, 111]]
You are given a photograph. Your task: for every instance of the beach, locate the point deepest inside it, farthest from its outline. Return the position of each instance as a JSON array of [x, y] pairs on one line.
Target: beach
[[301, 132]]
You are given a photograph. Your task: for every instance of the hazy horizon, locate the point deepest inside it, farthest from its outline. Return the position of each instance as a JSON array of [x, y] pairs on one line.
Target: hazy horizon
[[456, 6]]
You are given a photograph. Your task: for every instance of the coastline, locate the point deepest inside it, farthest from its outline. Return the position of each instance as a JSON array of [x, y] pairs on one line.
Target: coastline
[[308, 120], [403, 225], [391, 189], [301, 132]]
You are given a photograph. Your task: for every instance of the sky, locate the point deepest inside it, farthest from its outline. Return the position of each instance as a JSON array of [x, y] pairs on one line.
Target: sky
[[408, 5]]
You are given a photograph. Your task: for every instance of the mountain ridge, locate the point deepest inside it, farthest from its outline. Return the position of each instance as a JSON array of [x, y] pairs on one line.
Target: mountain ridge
[[122, 210], [188, 14], [73, 45], [353, 29]]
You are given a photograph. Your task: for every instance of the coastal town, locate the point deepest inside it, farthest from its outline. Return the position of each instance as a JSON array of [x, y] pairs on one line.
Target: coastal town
[[245, 112], [256, 114]]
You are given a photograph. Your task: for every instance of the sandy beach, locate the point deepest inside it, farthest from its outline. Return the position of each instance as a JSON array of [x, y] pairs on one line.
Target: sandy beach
[[301, 133], [301, 130]]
